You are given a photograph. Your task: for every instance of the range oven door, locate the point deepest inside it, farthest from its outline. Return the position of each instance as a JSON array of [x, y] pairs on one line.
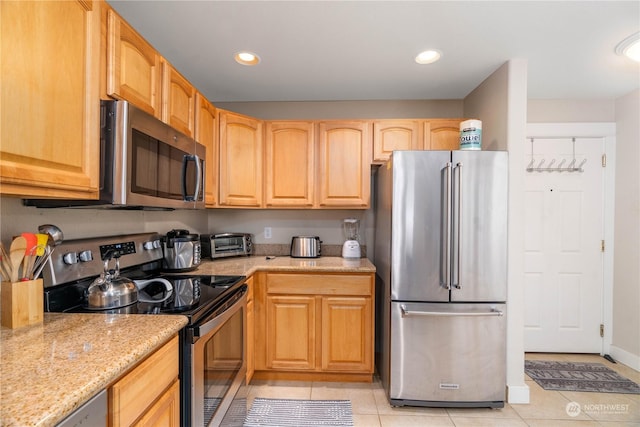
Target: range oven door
[[215, 350]]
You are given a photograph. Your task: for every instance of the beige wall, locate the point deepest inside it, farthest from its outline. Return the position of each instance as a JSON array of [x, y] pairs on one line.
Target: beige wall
[[489, 103], [501, 103], [626, 270], [78, 223], [570, 111]]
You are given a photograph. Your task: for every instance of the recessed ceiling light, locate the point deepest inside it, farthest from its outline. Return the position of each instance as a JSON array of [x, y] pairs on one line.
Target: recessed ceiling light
[[246, 58], [428, 56], [630, 47]]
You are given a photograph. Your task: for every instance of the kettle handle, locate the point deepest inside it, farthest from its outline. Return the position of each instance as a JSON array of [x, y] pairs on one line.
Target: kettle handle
[[141, 284]]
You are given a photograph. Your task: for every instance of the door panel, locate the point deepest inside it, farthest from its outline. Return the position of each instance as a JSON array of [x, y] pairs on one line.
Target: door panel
[[563, 258], [418, 178], [448, 352], [479, 244]]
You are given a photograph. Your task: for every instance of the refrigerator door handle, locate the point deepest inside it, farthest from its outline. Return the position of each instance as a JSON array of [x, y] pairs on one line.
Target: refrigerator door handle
[[455, 239], [445, 231], [409, 313]]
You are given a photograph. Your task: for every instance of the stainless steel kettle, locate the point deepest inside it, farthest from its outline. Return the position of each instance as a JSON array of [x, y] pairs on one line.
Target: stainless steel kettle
[[111, 290]]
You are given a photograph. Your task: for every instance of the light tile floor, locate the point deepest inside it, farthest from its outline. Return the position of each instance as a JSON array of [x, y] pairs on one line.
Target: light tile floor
[[547, 408]]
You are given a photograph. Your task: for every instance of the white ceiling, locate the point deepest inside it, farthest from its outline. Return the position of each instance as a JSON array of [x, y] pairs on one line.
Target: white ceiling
[[364, 50]]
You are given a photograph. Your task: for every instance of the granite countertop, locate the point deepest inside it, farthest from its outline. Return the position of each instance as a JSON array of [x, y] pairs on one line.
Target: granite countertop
[[47, 371], [246, 266]]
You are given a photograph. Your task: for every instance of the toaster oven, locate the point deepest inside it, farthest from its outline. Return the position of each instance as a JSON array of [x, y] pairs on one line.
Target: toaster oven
[[226, 245]]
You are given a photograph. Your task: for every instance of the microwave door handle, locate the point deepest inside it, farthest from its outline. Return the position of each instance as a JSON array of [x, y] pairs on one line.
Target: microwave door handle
[[194, 158]]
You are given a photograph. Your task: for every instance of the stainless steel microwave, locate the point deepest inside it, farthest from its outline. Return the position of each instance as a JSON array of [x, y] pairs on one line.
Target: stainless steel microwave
[[144, 164]]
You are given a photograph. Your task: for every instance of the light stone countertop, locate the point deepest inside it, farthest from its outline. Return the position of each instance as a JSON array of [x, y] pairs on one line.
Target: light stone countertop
[[246, 266], [47, 371]]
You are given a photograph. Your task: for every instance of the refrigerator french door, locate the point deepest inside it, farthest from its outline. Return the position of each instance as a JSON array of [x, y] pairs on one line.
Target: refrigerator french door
[[441, 255]]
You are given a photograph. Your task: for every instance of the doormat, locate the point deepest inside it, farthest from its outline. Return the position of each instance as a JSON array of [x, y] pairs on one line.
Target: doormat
[[578, 376], [299, 413]]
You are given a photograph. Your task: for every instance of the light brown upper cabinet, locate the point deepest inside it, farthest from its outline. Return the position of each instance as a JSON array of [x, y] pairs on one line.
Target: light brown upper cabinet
[[289, 164], [390, 135], [134, 70], [178, 100], [442, 134], [50, 116], [207, 135], [344, 164], [240, 160]]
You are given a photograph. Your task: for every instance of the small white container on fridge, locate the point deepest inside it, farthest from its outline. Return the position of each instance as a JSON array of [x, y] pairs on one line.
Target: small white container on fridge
[[471, 135]]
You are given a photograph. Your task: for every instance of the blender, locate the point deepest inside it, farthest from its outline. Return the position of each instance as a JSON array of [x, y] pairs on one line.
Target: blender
[[351, 230]]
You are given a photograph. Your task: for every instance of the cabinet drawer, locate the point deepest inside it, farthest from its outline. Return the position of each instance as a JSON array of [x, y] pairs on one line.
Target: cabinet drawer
[[319, 284], [133, 394]]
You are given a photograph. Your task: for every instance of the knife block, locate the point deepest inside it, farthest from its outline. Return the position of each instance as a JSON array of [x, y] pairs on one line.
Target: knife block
[[22, 303]]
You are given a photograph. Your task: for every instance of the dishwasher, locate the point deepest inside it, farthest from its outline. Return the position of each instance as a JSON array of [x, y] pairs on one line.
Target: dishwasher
[[93, 413]]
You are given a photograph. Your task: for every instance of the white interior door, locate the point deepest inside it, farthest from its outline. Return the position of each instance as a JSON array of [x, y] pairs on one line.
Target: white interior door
[[563, 247]]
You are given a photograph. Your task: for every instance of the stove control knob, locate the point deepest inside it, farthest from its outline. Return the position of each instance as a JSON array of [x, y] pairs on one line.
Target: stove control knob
[[157, 244], [86, 256], [70, 258]]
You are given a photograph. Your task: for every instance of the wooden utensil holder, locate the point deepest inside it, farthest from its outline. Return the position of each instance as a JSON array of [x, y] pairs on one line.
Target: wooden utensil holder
[[22, 303]]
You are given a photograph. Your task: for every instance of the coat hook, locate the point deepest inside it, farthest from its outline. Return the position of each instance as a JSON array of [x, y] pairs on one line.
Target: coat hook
[[551, 164], [560, 164], [582, 164]]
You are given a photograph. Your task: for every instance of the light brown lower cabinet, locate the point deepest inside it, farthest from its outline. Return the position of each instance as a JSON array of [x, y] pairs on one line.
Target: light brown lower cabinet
[[149, 395], [314, 326]]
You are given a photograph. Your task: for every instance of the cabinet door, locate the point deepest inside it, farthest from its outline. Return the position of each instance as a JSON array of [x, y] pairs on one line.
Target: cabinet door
[[344, 164], [207, 135], [390, 135], [178, 100], [133, 67], [442, 134], [240, 160], [289, 166], [291, 332], [132, 395], [165, 412], [347, 334], [49, 86]]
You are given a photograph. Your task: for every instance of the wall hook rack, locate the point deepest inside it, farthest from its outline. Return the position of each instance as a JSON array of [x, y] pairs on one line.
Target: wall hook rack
[[571, 167]]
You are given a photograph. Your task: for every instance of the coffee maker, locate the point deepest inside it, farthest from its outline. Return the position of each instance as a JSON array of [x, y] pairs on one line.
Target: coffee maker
[[351, 230]]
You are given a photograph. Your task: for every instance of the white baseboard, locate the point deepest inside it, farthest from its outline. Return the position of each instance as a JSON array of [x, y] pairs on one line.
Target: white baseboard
[[518, 394], [624, 357]]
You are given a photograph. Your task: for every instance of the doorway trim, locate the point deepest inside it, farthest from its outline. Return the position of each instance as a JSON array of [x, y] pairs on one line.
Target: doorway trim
[[607, 131]]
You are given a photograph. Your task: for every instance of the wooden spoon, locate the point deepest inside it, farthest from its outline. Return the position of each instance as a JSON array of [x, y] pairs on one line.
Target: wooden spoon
[[16, 254]]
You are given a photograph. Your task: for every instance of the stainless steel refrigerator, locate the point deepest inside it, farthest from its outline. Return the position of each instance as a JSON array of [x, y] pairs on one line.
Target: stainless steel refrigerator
[[441, 260]]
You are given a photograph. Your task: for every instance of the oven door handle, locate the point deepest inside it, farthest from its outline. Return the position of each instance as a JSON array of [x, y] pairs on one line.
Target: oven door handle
[[219, 317]]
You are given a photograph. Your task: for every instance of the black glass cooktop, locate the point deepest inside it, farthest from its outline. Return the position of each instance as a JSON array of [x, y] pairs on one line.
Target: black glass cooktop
[[191, 295]]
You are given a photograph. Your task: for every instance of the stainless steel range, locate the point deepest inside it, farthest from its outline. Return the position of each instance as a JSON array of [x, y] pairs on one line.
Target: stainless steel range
[[213, 366]]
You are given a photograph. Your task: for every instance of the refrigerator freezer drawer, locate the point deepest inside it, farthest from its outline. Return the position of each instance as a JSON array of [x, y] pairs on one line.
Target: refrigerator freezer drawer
[[445, 354]]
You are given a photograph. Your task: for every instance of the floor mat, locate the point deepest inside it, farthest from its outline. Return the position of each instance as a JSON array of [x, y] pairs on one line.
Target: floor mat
[[578, 376], [299, 413]]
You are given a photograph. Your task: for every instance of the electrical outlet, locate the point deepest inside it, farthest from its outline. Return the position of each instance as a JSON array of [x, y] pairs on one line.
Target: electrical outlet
[[267, 232]]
